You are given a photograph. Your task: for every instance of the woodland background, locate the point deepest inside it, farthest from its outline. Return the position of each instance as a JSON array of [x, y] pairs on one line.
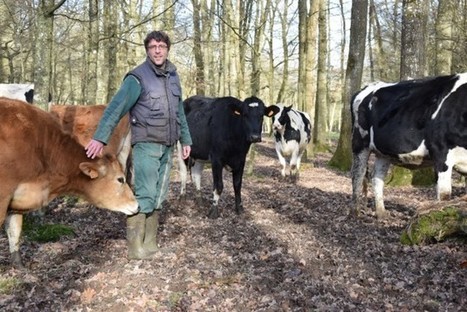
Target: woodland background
[[313, 54]]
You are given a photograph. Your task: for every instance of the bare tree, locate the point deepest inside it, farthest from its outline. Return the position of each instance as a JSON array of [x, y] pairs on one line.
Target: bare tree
[[413, 39], [358, 27], [44, 50], [444, 37], [198, 46], [321, 109], [284, 4], [89, 83], [110, 50]]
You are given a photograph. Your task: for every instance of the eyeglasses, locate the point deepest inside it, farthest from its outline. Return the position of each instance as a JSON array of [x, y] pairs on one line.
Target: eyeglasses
[[160, 47]]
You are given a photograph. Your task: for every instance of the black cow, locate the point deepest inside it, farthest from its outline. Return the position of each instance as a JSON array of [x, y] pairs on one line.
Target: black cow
[[292, 133], [412, 123], [222, 130]]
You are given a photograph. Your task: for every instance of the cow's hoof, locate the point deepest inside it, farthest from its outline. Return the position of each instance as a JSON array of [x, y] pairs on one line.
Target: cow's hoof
[[16, 261], [213, 213], [381, 215], [239, 210], [354, 212], [199, 200]]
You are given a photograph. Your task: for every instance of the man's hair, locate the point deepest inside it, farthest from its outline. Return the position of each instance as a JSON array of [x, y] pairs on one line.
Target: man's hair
[[158, 36]]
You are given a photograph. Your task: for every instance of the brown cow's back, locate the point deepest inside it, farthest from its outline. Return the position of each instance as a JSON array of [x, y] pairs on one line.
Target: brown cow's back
[[81, 121]]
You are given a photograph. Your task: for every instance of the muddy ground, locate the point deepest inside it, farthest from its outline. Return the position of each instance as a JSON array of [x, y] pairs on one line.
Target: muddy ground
[[294, 249]]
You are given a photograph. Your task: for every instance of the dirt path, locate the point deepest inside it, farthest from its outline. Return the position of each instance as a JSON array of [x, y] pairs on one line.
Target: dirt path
[[294, 249]]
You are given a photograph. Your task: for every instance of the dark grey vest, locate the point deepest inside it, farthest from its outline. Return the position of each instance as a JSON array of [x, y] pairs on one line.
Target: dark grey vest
[[154, 117]]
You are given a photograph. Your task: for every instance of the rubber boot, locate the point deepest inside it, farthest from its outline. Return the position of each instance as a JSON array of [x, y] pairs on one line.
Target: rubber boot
[[135, 230], [150, 237]]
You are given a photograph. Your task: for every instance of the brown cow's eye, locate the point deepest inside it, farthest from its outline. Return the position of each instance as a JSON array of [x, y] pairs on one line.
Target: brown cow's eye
[[121, 180]]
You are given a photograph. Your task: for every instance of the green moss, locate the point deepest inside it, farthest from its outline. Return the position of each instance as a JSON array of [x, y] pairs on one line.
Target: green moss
[[424, 177], [71, 200], [43, 233], [399, 176], [433, 227], [340, 162], [8, 285]]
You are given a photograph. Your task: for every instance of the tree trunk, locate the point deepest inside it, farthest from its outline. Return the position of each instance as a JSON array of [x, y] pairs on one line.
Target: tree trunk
[[414, 65], [414, 39], [285, 51], [310, 66], [342, 157], [321, 113], [197, 48], [444, 25], [43, 51], [89, 83], [110, 54]]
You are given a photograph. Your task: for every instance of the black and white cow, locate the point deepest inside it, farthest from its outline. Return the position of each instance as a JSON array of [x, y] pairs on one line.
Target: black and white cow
[[292, 133], [412, 123], [18, 91], [222, 130]]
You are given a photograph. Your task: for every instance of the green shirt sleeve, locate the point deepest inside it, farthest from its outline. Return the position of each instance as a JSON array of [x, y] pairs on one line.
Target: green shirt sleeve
[[120, 105], [185, 137]]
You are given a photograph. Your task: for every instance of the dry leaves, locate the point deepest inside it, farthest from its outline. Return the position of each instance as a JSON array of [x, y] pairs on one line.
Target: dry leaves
[[294, 249]]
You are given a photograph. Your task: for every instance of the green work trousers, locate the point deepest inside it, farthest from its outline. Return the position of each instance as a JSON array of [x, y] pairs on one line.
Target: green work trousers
[[152, 163]]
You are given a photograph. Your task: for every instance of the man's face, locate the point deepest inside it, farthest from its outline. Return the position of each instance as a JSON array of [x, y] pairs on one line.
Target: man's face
[[157, 52]]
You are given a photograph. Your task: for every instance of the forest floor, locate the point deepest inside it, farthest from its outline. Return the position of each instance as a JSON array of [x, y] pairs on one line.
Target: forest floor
[[294, 249]]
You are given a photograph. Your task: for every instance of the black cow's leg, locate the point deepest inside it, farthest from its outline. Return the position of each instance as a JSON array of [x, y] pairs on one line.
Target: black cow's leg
[[13, 227], [359, 167], [218, 187], [237, 184]]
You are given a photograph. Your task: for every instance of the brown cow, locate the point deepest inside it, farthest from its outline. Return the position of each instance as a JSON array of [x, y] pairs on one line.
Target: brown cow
[[39, 161], [82, 120]]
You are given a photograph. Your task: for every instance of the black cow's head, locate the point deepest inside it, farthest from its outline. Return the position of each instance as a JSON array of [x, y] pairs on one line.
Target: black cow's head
[[282, 118], [252, 110]]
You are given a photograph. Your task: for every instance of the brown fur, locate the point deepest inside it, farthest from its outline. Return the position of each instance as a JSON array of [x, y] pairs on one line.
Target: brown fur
[[39, 161], [81, 121]]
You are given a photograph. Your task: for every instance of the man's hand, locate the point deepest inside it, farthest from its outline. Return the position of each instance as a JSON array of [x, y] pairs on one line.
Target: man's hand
[[186, 151], [94, 148]]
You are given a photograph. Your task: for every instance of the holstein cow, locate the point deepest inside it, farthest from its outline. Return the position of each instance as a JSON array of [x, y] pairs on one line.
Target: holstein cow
[[411, 123], [81, 121], [39, 161], [18, 91], [222, 130], [292, 133]]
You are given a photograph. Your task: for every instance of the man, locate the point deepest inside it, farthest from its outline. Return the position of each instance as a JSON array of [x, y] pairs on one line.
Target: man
[[152, 94]]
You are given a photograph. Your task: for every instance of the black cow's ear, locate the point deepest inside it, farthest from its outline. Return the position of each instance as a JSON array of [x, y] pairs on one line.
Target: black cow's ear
[[235, 108], [271, 110]]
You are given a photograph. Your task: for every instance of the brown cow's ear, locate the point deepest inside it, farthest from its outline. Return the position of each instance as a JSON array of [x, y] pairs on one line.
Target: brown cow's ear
[[89, 169]]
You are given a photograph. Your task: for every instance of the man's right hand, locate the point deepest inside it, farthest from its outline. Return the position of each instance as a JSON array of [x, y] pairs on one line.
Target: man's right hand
[[94, 148]]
